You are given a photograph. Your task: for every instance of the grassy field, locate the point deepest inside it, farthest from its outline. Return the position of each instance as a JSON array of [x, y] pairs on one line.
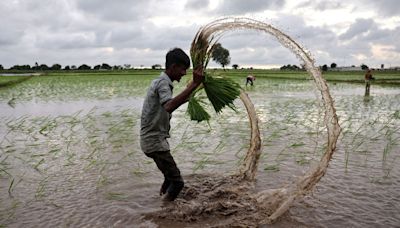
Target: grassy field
[[345, 76]]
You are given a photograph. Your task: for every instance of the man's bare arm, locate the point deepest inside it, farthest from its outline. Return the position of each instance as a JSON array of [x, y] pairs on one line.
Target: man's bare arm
[[181, 98]]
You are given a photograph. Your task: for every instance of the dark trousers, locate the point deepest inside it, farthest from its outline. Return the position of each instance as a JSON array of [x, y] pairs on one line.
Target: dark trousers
[[367, 87], [249, 80], [173, 181]]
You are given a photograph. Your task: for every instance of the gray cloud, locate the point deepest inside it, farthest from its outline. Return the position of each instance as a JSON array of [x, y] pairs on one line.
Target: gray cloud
[[359, 28], [11, 37], [321, 5], [127, 31], [66, 41], [121, 10], [197, 4], [325, 5], [249, 6], [384, 8]]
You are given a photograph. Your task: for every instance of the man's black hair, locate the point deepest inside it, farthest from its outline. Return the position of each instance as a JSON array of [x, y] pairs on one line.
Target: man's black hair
[[177, 56]]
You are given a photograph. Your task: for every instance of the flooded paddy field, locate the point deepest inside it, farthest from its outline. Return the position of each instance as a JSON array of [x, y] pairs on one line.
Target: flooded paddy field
[[70, 155]]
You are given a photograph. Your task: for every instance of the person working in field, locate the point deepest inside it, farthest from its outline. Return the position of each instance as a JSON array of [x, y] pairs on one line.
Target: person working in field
[[368, 77], [250, 79], [156, 114]]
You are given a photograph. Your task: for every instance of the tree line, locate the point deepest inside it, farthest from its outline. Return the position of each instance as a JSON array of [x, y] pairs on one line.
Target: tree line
[[323, 67], [44, 67]]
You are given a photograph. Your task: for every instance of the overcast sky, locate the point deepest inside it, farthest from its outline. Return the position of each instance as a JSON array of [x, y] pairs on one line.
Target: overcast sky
[[140, 32]]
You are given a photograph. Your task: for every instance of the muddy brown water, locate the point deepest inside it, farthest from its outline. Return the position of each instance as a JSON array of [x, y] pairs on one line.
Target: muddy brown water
[[78, 163]]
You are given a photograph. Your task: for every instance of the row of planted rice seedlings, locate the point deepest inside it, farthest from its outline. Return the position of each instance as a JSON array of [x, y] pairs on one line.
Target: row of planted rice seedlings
[[39, 149], [7, 212], [8, 180], [66, 88], [371, 134], [234, 137], [209, 144], [292, 130]]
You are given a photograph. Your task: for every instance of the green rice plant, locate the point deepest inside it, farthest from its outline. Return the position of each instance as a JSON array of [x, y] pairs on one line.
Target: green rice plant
[[391, 141], [102, 181], [347, 158], [9, 213], [302, 159], [137, 171], [4, 166], [396, 114], [297, 144], [4, 170], [239, 153], [196, 111], [272, 168], [116, 196], [386, 151], [220, 91], [201, 164], [41, 189], [219, 147], [36, 167], [10, 188]]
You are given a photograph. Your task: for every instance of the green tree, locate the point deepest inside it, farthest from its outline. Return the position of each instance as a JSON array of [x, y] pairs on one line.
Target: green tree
[[117, 67], [67, 68], [364, 67], [20, 67], [84, 67], [56, 67], [97, 67], [324, 67], [44, 67], [1, 67], [333, 65], [235, 66], [105, 66], [289, 67], [156, 66], [221, 55]]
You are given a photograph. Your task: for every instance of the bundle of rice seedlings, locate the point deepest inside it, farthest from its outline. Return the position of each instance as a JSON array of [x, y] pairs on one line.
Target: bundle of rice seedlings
[[220, 91], [196, 111]]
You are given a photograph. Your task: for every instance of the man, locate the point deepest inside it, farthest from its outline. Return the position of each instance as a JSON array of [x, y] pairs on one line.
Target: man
[[156, 114], [368, 77], [250, 79]]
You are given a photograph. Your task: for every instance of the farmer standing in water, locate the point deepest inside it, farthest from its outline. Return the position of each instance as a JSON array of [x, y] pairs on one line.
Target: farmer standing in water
[[368, 77], [156, 114]]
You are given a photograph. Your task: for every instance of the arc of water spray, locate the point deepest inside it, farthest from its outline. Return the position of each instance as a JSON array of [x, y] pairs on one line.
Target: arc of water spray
[[281, 199]]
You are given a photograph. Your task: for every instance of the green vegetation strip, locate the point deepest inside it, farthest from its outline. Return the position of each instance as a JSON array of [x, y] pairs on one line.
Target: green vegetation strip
[[9, 81]]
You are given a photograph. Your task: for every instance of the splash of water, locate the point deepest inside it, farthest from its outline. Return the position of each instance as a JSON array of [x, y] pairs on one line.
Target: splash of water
[[225, 196]]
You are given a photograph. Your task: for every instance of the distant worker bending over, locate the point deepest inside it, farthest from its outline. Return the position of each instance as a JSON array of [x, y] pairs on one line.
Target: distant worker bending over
[[250, 79]]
